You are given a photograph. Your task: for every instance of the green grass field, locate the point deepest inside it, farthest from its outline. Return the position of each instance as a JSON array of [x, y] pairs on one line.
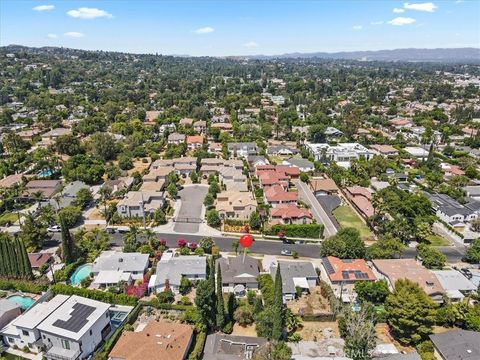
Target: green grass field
[[436, 240], [347, 217], [8, 217]]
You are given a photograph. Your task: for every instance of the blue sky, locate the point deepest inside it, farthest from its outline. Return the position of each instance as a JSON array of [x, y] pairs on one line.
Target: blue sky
[[233, 27]]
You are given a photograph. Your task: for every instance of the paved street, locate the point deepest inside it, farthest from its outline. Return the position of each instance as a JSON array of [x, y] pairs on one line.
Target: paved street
[[266, 247], [190, 215], [317, 210]]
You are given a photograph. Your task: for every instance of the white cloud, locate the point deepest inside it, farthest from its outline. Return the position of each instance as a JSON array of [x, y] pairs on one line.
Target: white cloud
[[459, 1], [376, 23], [44, 7], [429, 6], [88, 13], [52, 36], [399, 21], [205, 30], [74, 34], [398, 10], [357, 27], [251, 44]]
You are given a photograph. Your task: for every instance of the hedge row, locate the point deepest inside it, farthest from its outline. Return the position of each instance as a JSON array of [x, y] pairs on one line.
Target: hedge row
[[67, 271], [313, 231], [318, 317], [103, 296], [24, 286], [156, 304], [197, 351]]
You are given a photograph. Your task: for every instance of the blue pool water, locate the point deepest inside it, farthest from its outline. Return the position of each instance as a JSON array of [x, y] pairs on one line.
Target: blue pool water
[[44, 173], [82, 272], [23, 301]]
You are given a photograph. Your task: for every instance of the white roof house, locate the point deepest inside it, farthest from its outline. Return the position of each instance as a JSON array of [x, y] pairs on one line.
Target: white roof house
[[454, 283], [172, 269], [417, 152], [134, 263], [341, 153]]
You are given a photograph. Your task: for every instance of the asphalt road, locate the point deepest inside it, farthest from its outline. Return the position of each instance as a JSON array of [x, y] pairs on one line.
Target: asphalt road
[[267, 247], [317, 210], [191, 209]]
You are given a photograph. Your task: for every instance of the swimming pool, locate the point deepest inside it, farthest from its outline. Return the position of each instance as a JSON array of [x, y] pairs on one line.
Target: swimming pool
[[82, 272], [44, 173], [21, 300]]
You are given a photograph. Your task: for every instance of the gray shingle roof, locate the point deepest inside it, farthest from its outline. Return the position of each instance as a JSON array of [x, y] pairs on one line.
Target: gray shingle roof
[[290, 270], [128, 262], [233, 267], [457, 344], [174, 268]]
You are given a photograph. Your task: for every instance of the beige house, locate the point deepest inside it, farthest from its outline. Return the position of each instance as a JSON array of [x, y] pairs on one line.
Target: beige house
[[235, 205], [138, 203]]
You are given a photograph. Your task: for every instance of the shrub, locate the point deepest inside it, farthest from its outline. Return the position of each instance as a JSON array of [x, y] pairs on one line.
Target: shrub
[[313, 231], [197, 351], [244, 315], [228, 328], [119, 299], [166, 297], [23, 286]]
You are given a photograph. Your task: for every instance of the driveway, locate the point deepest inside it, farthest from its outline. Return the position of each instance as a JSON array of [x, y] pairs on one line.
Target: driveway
[[317, 210], [190, 215]]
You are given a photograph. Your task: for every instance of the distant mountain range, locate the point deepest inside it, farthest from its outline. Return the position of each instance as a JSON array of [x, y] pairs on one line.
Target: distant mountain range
[[444, 55], [428, 55]]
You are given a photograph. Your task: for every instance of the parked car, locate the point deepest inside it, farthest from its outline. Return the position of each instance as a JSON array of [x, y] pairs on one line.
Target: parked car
[[54, 228], [111, 230], [468, 274], [287, 252]]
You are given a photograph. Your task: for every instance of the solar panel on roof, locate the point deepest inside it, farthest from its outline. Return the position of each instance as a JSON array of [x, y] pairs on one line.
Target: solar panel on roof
[[345, 275], [328, 266], [78, 318]]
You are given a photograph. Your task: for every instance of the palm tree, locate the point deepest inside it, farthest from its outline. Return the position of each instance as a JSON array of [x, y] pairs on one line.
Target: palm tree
[[106, 194]]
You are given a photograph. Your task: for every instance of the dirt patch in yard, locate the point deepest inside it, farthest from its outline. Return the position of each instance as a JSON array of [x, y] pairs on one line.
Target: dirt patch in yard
[[139, 166], [383, 337], [313, 303], [317, 330], [96, 214], [244, 331]]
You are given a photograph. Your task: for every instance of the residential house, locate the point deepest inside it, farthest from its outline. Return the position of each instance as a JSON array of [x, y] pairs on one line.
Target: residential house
[[171, 269], [200, 126], [322, 186], [456, 345], [37, 260], [298, 274], [396, 269], [111, 264], [455, 284], [281, 150], [288, 214], [233, 179], [11, 180], [451, 170], [176, 139], [330, 348], [215, 148], [47, 188], [242, 150], [384, 150], [343, 274], [9, 310], [151, 116], [416, 152], [120, 184], [65, 327], [341, 153], [472, 191], [361, 199], [303, 164], [451, 211], [276, 195], [55, 133], [332, 132], [194, 142], [140, 203], [68, 194], [28, 135], [257, 160], [235, 205], [239, 274], [400, 123], [158, 339], [186, 122], [231, 347], [222, 126]]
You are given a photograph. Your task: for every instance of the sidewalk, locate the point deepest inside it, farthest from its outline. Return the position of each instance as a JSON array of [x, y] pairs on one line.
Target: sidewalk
[[272, 237]]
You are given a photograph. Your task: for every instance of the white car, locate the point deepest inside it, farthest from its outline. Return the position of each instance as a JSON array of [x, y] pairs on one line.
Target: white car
[[54, 228], [286, 252]]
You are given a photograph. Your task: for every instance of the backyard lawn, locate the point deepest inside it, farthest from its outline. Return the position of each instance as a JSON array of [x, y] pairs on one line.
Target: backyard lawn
[[347, 217], [8, 217]]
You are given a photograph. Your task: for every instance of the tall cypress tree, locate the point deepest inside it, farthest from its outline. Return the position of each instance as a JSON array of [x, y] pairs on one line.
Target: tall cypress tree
[[12, 259], [27, 266], [67, 242], [277, 328], [3, 261], [211, 281], [220, 305], [20, 269]]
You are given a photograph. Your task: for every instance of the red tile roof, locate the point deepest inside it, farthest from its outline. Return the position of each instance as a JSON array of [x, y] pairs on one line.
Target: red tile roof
[[348, 270], [39, 259], [276, 193], [290, 211]]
